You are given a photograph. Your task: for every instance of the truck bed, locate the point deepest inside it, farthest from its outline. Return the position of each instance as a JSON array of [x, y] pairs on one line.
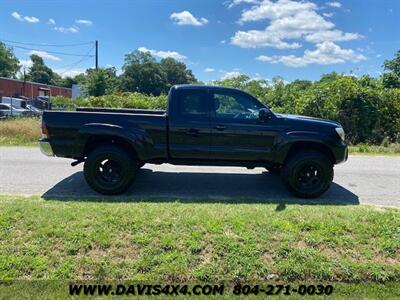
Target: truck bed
[[65, 129]]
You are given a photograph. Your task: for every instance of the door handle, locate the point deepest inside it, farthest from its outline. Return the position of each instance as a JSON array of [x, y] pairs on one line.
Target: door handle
[[193, 132], [220, 127]]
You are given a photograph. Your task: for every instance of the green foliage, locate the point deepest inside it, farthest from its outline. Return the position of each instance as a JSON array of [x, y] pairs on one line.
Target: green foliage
[[68, 81], [117, 100], [176, 72], [99, 82], [393, 64], [64, 103], [390, 80], [9, 64], [41, 73], [128, 100], [143, 74]]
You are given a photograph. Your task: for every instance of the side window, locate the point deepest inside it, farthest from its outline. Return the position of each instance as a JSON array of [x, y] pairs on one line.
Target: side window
[[3, 107], [192, 104], [235, 106]]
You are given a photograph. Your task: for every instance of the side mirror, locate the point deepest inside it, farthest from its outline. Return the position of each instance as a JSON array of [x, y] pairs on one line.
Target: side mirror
[[264, 114]]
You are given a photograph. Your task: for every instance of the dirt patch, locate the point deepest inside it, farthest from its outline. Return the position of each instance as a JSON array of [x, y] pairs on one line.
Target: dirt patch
[[330, 252], [301, 244], [268, 258], [122, 250], [387, 260], [206, 255]]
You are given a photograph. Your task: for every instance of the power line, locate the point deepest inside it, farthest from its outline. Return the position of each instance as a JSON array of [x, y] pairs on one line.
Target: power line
[[71, 66], [84, 57], [48, 45], [52, 52]]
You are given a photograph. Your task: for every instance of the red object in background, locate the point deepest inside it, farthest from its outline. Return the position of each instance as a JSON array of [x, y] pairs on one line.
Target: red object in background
[[17, 88]]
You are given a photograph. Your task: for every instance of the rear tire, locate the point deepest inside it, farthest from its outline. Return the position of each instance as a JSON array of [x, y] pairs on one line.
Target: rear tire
[[307, 174], [109, 170]]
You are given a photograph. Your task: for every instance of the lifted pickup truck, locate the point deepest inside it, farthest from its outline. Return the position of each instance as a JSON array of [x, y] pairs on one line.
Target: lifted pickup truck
[[203, 125]]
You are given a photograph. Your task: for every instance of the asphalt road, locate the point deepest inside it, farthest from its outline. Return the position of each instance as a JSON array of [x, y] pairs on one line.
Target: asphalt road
[[361, 180]]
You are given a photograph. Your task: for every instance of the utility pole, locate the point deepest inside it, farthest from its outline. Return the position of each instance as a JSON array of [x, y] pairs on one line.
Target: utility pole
[[97, 54], [24, 93]]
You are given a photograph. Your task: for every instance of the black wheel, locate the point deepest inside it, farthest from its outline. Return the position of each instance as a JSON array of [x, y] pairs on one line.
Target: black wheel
[[274, 170], [109, 170], [307, 174]]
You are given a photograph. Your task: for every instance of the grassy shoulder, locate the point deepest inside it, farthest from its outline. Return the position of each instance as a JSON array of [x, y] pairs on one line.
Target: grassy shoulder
[[26, 132], [365, 149], [202, 242], [19, 132]]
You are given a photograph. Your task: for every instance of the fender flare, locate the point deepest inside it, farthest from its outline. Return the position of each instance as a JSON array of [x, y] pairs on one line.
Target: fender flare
[[282, 149], [135, 137]]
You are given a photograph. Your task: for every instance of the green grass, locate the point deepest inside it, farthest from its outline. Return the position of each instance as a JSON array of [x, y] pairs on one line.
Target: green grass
[[198, 242]]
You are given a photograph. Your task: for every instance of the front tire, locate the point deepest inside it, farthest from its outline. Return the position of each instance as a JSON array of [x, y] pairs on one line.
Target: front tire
[[307, 174], [109, 170]]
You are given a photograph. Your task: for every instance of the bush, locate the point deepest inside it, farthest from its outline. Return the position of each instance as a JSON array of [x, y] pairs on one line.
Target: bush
[[128, 100], [122, 100]]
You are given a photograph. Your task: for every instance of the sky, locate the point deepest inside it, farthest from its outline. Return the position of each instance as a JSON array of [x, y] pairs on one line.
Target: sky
[[215, 38]]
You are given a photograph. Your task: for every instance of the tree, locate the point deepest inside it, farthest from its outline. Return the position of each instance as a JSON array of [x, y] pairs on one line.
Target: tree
[[390, 80], [301, 85], [68, 81], [257, 87], [329, 77], [176, 72], [393, 64], [41, 73], [143, 74], [369, 82], [99, 82], [9, 64]]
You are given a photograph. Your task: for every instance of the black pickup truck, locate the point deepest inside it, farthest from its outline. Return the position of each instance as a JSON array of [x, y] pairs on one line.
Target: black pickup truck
[[203, 125]]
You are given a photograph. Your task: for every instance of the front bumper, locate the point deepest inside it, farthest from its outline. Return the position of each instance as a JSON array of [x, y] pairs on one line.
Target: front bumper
[[341, 152], [45, 147]]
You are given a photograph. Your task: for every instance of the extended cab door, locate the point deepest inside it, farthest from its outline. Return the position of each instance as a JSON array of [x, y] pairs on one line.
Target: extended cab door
[[237, 132], [189, 124]]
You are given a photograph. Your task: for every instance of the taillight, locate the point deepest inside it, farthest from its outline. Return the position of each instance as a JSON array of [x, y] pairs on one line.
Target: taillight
[[45, 133]]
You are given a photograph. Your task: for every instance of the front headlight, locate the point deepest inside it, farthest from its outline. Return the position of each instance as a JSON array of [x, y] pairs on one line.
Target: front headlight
[[340, 132]]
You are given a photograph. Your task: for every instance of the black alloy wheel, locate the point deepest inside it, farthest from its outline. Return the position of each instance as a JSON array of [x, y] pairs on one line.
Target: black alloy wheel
[[110, 170], [307, 174]]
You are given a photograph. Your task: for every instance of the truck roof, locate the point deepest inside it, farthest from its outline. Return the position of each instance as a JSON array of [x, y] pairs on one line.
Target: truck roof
[[200, 87]]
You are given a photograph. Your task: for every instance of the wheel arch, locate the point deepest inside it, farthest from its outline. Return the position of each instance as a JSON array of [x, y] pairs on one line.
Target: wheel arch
[[97, 141], [91, 136], [299, 146]]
